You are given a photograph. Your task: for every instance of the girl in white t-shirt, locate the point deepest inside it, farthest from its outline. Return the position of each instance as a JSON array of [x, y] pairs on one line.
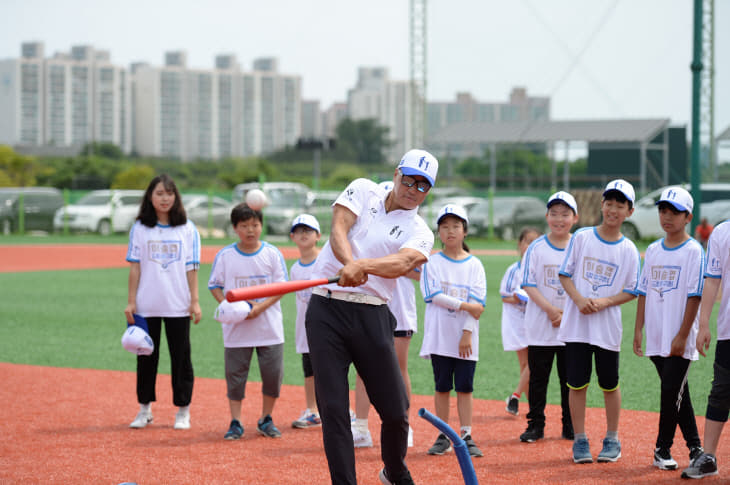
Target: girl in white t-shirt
[[454, 288], [514, 302], [164, 256]]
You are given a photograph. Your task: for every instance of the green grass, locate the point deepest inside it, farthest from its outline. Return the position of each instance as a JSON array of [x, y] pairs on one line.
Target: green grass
[[75, 319]]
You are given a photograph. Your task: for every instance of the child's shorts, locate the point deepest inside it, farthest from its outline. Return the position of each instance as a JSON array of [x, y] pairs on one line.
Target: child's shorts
[[450, 370], [579, 366], [238, 363], [718, 402]]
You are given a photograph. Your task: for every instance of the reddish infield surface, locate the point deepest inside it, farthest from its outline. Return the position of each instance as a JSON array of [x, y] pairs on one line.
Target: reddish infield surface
[[55, 431]]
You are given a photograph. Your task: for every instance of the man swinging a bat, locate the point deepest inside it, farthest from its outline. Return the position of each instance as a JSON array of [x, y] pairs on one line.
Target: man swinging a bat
[[376, 237]]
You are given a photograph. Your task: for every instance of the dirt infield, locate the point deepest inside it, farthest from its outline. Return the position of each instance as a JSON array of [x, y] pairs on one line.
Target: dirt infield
[[70, 426], [56, 431]]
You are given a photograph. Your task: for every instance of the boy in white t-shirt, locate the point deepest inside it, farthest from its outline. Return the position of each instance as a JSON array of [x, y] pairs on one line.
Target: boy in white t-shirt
[[717, 276], [670, 288], [305, 233], [544, 312], [600, 272], [251, 262]]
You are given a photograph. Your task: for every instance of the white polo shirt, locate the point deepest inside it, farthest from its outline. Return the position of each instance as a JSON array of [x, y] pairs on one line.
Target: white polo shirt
[[598, 268], [232, 268], [718, 266], [165, 254], [541, 266], [375, 234], [669, 277]]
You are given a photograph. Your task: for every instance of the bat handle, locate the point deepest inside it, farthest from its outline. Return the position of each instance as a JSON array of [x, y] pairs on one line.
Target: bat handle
[[333, 279]]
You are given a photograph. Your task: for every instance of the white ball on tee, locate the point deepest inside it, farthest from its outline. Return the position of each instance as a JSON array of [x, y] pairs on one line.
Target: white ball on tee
[[256, 199]]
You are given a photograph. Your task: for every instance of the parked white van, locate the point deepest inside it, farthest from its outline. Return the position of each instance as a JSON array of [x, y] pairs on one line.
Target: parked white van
[[101, 211]]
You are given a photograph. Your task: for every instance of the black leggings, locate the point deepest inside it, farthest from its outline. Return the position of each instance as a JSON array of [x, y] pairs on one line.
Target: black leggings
[[676, 405], [177, 332]]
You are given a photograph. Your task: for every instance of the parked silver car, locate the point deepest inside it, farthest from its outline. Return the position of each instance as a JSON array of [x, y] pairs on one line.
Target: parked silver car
[[101, 211], [212, 215], [286, 201], [39, 206]]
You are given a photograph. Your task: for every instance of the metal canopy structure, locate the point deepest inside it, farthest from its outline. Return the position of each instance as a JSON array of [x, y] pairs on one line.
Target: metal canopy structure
[[475, 137]]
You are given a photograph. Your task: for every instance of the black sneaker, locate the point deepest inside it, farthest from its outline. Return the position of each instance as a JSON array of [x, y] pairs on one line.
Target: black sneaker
[[704, 465], [513, 406], [235, 431], [695, 452], [266, 427], [532, 434], [568, 432], [404, 480], [441, 446], [471, 446], [663, 459]]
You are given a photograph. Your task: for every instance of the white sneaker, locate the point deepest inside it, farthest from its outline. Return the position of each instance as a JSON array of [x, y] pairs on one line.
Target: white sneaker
[[362, 440], [182, 420], [143, 419], [410, 437]]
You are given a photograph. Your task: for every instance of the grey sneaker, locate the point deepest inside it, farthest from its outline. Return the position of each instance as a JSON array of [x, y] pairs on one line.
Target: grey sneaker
[[441, 446], [704, 465], [611, 451], [582, 451], [471, 446], [663, 459], [266, 427]]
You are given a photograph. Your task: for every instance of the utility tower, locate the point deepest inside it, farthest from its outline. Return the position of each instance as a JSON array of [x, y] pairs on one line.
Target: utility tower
[[707, 89], [418, 43]]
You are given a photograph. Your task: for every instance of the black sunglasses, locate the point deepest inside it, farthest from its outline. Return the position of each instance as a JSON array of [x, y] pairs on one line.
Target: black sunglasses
[[409, 182]]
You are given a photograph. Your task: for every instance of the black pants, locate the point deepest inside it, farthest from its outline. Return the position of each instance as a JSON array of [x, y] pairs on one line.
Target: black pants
[[540, 362], [676, 405], [342, 333], [177, 332]]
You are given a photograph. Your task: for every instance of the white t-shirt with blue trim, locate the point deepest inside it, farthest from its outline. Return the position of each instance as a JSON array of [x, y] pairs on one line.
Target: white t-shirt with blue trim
[[165, 254], [668, 278], [513, 314], [541, 266], [442, 328], [718, 266], [598, 269], [301, 271], [232, 268]]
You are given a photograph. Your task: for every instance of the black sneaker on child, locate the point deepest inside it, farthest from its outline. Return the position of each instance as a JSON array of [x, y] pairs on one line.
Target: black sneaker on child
[[471, 446], [704, 465], [513, 406], [441, 446], [404, 480], [532, 434], [663, 459], [695, 452]]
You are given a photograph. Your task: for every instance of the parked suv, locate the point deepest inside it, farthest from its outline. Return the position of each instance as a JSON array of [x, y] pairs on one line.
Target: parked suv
[[39, 206], [644, 222], [102, 211], [286, 201]]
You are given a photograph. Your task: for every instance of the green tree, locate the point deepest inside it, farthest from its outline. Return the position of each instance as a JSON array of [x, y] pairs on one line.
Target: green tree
[[343, 175], [17, 170], [102, 149], [363, 141], [135, 177]]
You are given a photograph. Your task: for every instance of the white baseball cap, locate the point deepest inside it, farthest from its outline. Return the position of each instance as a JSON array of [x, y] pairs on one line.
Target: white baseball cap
[[229, 312], [678, 197], [305, 220], [136, 338], [564, 197], [622, 186], [420, 162], [452, 210]]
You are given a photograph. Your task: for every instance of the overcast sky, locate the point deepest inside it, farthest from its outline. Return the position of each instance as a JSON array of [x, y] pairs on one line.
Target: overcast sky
[[595, 59]]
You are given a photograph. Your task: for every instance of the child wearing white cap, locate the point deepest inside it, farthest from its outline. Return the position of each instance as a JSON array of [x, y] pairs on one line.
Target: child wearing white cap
[[669, 290], [454, 288], [543, 314], [305, 233], [600, 272]]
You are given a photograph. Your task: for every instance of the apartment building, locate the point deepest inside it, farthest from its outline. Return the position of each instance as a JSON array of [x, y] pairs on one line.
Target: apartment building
[[209, 114], [64, 101]]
